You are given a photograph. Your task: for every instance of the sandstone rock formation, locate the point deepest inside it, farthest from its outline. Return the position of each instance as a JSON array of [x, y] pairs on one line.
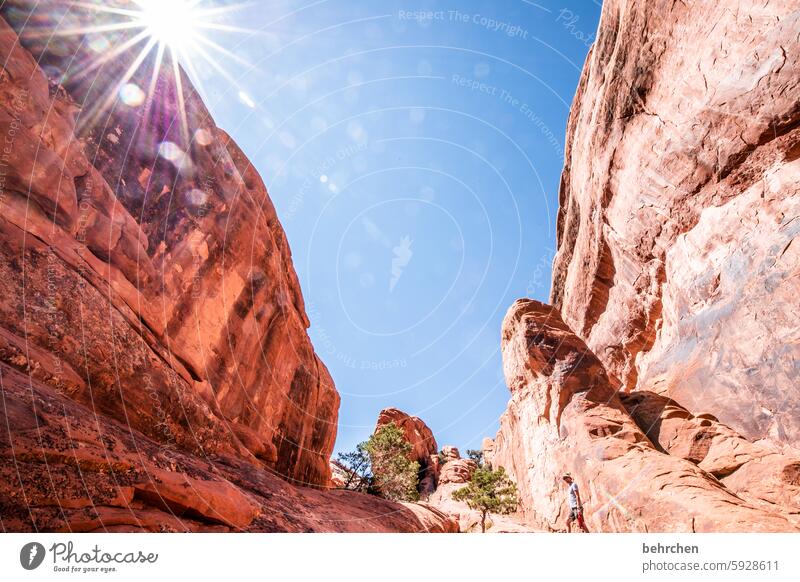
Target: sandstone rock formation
[[677, 269], [424, 448], [144, 272], [417, 433], [678, 259], [66, 469], [566, 415], [450, 453], [487, 450], [155, 370], [454, 475], [456, 469]]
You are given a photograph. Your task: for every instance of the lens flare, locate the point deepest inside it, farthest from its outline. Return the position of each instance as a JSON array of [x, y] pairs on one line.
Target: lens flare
[[131, 95]]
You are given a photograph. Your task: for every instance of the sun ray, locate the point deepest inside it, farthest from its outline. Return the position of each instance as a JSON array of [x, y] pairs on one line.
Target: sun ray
[[78, 31], [223, 50], [105, 9], [175, 28], [97, 63], [228, 28], [179, 92], [151, 88], [111, 96], [209, 59]]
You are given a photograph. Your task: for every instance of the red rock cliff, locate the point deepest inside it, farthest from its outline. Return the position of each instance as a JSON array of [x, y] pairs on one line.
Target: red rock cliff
[[155, 369], [665, 374], [566, 416], [146, 275]]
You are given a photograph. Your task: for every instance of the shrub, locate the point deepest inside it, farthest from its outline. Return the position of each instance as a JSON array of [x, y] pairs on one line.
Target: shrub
[[476, 456], [357, 466]]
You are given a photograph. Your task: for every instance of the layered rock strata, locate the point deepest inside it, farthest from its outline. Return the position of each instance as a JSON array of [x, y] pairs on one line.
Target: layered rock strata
[[65, 469]]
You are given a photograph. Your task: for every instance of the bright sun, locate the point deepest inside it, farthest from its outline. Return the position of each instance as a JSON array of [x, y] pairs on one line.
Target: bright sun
[[170, 22], [176, 32]]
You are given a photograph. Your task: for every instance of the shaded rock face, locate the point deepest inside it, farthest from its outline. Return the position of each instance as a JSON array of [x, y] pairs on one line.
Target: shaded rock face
[[65, 469], [565, 415], [678, 256], [144, 272], [423, 445]]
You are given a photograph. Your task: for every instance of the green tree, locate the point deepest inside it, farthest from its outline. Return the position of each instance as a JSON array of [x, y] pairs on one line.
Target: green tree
[[489, 492], [394, 475]]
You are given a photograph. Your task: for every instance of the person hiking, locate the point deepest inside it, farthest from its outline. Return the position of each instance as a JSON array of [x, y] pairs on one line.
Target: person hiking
[[575, 505]]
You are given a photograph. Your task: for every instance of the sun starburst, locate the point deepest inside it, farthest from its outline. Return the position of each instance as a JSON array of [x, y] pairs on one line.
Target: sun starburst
[[174, 31]]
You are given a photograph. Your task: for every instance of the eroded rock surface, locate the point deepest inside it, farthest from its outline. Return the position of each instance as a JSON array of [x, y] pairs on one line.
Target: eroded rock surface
[[455, 469], [757, 472], [143, 270], [565, 415], [677, 252]]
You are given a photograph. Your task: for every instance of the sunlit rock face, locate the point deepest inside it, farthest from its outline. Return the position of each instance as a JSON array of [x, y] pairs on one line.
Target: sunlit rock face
[[565, 415], [678, 258], [144, 271], [757, 472]]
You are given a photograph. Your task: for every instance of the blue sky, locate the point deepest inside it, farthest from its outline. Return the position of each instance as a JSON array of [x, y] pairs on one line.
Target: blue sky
[[413, 152]]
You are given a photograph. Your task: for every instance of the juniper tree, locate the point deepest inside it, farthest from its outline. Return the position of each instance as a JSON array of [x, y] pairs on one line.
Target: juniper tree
[[489, 492]]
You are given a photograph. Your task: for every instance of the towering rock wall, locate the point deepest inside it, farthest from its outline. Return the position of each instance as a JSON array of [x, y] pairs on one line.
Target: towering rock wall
[[665, 375], [144, 272], [65, 469], [678, 258]]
